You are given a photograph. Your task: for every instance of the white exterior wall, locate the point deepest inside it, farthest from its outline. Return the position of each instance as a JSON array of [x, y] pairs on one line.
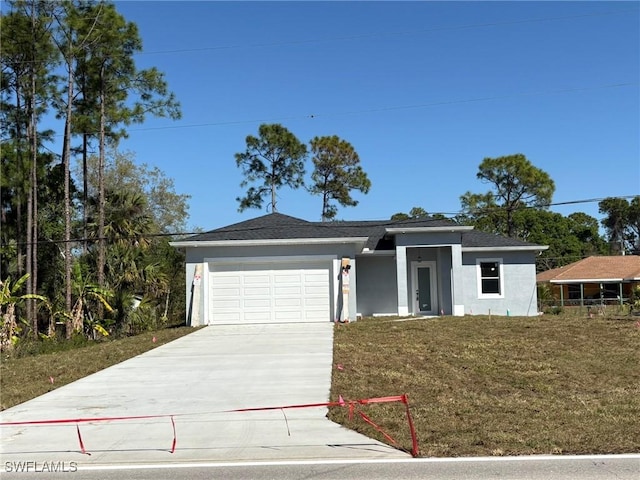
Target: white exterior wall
[[519, 297], [196, 295]]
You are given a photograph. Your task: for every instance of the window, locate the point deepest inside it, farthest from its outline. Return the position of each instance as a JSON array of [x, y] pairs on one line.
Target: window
[[574, 292], [490, 279]]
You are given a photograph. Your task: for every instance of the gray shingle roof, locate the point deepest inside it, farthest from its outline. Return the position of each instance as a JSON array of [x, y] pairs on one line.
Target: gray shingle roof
[[273, 226], [276, 226], [476, 238]]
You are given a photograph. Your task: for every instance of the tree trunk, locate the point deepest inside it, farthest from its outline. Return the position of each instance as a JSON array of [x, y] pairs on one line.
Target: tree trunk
[[273, 192], [85, 193], [325, 200], [32, 307], [20, 189], [31, 137], [101, 193], [66, 159]]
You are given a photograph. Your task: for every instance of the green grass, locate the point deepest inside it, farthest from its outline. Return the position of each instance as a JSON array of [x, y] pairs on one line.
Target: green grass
[[500, 386], [28, 372]]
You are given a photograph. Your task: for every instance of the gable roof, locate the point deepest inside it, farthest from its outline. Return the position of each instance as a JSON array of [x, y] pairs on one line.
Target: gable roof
[[376, 234], [595, 269]]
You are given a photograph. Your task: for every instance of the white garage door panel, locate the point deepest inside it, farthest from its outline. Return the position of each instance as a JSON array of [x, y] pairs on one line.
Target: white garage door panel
[[252, 279], [226, 278], [227, 304], [269, 292], [228, 317], [256, 303], [280, 291]]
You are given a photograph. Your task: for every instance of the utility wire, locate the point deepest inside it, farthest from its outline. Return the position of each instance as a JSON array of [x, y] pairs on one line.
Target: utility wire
[[379, 109], [343, 38], [316, 224]]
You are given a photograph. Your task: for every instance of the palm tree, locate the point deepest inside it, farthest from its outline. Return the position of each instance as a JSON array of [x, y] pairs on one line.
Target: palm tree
[[9, 300]]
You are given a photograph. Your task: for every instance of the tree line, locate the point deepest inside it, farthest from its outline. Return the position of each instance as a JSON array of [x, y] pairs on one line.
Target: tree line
[[76, 222], [516, 205]]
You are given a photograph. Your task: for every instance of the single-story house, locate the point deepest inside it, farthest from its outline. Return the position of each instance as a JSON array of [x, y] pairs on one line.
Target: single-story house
[[277, 268], [594, 280]]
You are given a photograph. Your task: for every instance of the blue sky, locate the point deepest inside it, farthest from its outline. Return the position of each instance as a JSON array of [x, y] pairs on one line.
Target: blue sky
[[423, 91]]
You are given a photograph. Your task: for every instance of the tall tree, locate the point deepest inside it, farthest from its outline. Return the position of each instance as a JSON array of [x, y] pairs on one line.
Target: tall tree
[[74, 35], [337, 172], [515, 183], [272, 160], [124, 95], [27, 57], [622, 223]]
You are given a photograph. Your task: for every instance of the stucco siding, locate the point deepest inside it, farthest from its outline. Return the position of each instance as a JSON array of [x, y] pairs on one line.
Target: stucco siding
[[519, 296], [428, 238], [196, 295], [377, 290]]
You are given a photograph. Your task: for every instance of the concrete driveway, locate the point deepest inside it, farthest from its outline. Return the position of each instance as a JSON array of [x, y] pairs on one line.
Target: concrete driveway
[[197, 378]]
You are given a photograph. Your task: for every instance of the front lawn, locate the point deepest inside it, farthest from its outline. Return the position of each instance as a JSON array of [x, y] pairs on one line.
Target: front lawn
[[499, 386]]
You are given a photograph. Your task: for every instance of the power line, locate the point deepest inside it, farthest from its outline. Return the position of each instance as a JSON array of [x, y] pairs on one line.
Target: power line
[[235, 230], [545, 205], [385, 34], [342, 38], [382, 109]]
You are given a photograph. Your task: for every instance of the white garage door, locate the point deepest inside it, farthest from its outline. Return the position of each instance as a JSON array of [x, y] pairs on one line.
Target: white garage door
[[269, 293]]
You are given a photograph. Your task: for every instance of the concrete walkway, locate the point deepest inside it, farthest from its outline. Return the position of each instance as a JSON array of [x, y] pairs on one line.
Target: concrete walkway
[[197, 378]]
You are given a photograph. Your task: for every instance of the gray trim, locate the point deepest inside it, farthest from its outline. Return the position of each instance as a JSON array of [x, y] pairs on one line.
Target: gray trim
[[453, 228], [280, 241], [527, 248]]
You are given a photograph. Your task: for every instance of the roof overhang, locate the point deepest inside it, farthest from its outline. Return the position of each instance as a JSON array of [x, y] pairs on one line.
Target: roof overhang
[[456, 228], [278, 241], [515, 248]]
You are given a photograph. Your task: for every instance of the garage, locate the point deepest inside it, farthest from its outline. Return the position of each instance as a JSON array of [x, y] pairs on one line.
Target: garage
[[270, 292]]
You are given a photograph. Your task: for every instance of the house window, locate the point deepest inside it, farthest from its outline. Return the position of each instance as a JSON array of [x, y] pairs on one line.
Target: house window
[[490, 278]]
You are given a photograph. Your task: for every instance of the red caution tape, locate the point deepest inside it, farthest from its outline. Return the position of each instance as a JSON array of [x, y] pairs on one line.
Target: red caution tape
[[340, 403], [80, 420], [370, 422], [82, 449], [173, 445], [352, 408]]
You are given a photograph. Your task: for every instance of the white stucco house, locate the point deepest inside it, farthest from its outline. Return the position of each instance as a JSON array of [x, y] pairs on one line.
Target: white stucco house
[[277, 268]]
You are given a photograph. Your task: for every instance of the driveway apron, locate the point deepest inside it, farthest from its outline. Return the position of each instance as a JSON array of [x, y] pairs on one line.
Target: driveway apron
[[197, 379]]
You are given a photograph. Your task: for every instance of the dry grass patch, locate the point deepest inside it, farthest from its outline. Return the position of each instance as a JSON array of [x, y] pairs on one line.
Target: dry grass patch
[[25, 377], [500, 386]]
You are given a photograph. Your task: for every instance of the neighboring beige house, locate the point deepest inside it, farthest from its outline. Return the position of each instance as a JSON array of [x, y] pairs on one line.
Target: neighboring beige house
[[594, 280]]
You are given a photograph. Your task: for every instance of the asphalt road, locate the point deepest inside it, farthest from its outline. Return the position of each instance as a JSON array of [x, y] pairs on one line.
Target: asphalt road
[[601, 467]]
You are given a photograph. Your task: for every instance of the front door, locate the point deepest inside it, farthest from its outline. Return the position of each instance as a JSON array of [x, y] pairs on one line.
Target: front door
[[425, 299]]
